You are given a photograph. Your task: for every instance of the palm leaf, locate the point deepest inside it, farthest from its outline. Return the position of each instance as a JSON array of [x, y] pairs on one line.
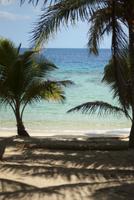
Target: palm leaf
[[8, 52], [110, 79], [117, 47], [35, 2], [99, 107], [47, 90], [101, 24], [61, 13], [42, 66]]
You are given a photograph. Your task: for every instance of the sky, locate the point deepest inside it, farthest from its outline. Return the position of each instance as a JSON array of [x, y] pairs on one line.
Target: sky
[[17, 22]]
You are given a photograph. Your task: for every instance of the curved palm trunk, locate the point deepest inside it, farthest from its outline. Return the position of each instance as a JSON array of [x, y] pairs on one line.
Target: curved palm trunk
[[20, 126], [131, 59], [131, 136]]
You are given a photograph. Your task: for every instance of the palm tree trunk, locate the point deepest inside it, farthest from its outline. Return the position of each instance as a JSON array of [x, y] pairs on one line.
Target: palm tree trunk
[[131, 60], [20, 126], [131, 136]]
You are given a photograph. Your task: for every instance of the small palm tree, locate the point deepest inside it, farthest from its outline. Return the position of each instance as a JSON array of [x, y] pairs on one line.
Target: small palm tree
[[103, 108], [24, 80]]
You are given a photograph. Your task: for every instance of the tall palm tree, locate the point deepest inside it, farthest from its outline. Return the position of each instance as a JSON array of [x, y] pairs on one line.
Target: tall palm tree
[[24, 80], [105, 16]]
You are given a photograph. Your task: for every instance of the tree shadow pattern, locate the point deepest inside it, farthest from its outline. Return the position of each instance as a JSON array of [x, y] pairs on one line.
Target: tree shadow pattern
[[85, 174]]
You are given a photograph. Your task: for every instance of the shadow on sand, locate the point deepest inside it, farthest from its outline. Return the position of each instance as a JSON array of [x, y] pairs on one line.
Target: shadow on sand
[[67, 173]]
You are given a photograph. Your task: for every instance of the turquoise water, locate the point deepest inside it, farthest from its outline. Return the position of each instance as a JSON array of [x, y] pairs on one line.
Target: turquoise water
[[86, 71]]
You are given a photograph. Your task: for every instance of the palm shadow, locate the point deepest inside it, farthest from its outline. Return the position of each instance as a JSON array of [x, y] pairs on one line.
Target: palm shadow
[[120, 192], [82, 171], [75, 191]]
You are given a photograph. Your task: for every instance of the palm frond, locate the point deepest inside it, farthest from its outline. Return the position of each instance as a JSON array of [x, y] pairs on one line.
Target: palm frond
[[61, 13], [45, 90], [110, 79], [117, 46], [43, 66], [100, 21], [101, 24], [98, 107], [19, 48], [35, 2], [8, 52]]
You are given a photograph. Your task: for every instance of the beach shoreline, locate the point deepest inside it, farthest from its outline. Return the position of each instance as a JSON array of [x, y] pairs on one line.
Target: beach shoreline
[[85, 133]]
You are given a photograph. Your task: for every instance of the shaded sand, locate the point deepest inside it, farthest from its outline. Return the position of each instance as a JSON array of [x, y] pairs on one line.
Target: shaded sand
[[69, 168]]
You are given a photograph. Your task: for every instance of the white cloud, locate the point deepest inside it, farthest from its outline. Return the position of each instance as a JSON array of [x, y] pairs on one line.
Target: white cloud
[[6, 2], [12, 17]]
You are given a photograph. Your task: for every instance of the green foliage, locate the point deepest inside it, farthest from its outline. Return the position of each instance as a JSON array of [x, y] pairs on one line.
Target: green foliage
[[110, 79], [97, 13], [35, 2], [99, 107], [61, 13], [101, 24], [24, 78]]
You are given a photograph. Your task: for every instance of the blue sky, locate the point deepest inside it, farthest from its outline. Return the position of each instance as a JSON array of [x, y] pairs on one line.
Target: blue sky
[[17, 21]]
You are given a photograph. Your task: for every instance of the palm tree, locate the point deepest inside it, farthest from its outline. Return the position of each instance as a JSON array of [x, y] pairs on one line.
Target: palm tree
[[105, 16], [24, 80]]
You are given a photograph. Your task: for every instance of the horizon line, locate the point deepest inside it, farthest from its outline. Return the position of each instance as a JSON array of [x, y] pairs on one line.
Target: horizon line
[[64, 48]]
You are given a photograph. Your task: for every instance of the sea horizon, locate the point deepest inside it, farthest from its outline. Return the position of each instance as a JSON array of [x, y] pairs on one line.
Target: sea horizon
[[66, 48]]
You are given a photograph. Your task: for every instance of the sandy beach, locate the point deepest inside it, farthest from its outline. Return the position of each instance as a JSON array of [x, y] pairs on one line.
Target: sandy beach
[[67, 100], [64, 167]]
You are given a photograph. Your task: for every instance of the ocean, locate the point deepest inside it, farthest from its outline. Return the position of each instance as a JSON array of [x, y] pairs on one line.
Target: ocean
[[49, 118]]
